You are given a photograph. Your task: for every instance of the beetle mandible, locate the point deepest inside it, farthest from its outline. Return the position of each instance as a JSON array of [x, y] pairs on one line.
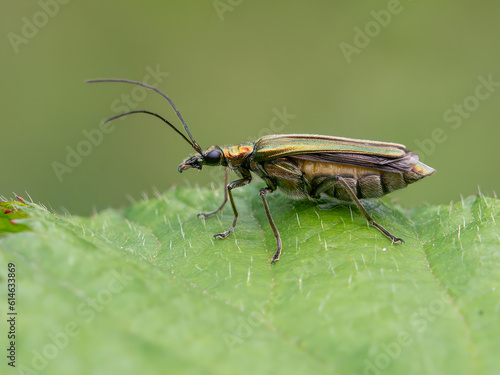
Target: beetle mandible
[[303, 166]]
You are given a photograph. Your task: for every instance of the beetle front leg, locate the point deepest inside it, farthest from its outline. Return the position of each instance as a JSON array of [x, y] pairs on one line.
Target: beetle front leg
[[355, 199], [231, 186], [262, 193], [208, 214]]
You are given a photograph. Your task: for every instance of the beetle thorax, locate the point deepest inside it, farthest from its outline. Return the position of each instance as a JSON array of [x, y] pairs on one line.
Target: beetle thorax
[[236, 155]]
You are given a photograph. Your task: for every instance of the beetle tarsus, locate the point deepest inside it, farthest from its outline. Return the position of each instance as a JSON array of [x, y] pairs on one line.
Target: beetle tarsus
[[385, 232], [208, 214], [276, 256], [225, 234]]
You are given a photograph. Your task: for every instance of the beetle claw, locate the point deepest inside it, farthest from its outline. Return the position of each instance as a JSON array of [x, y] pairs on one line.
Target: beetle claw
[[222, 235]]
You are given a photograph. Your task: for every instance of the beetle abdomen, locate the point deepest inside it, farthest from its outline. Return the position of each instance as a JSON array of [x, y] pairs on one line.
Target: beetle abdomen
[[302, 178], [365, 182]]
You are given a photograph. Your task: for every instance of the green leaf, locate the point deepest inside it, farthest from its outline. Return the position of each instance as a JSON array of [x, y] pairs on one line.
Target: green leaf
[[149, 290], [9, 213]]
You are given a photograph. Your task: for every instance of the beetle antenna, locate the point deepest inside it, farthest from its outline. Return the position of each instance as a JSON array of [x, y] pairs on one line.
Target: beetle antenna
[[152, 114], [193, 143]]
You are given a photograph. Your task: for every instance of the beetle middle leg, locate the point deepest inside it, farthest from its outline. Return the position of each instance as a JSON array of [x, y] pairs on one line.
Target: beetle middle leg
[[262, 193]]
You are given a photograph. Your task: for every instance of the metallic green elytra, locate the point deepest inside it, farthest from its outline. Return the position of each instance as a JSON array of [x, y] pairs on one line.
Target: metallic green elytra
[[305, 166]]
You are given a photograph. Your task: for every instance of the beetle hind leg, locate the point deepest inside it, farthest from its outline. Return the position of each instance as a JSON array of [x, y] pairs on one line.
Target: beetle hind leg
[[365, 213]]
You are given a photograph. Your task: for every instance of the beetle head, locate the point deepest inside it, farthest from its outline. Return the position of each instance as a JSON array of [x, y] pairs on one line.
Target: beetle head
[[212, 156]]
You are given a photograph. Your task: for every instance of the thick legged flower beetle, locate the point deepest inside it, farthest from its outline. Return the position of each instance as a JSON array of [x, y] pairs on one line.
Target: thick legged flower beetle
[[304, 166]]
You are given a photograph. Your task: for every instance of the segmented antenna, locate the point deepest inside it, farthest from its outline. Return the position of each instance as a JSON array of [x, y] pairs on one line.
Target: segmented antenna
[[193, 143]]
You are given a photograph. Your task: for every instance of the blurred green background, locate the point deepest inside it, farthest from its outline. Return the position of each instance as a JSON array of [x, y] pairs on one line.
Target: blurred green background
[[229, 66]]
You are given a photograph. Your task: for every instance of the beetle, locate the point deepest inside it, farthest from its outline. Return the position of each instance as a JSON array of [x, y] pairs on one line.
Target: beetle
[[303, 166]]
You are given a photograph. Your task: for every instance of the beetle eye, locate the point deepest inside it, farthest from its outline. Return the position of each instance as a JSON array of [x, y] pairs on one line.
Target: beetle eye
[[213, 157]]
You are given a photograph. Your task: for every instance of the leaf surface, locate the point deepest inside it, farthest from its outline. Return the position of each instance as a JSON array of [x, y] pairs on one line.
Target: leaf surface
[[149, 289]]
